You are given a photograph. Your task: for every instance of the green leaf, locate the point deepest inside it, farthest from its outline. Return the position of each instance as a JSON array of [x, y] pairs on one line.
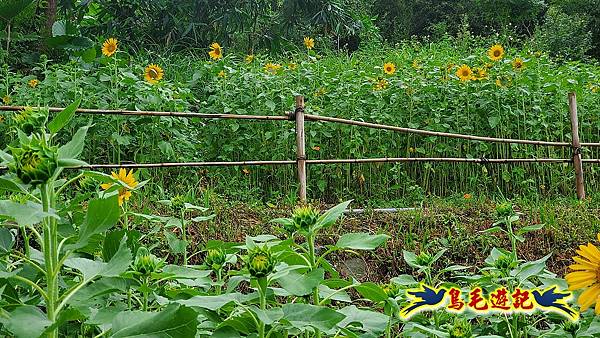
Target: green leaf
[[175, 321], [118, 264], [530, 228], [361, 241], [371, 322], [214, 303], [332, 215], [62, 118], [302, 316], [29, 213], [26, 321], [102, 214], [411, 259], [529, 269], [11, 185], [10, 9], [299, 284], [6, 240], [371, 291], [492, 230], [74, 147], [177, 246]]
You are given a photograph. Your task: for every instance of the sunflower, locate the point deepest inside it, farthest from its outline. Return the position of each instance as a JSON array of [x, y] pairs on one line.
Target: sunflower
[[222, 74], [467, 196], [109, 47], [33, 83], [389, 68], [586, 276], [481, 73], [153, 73], [464, 73], [518, 64], [125, 177], [6, 99], [272, 68], [416, 65], [292, 66], [381, 84], [309, 43], [216, 52], [249, 58], [496, 52]]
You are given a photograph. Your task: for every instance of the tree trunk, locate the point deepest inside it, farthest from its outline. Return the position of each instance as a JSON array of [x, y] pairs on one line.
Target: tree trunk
[[50, 16]]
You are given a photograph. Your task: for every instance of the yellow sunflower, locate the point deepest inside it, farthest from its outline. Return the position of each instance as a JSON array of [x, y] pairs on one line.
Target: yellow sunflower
[[109, 47], [381, 84], [496, 52], [33, 83], [272, 68], [249, 58], [216, 52], [153, 73], [389, 68], [518, 64], [586, 276], [125, 177], [464, 73], [309, 43], [6, 99], [222, 74], [292, 66], [481, 73]]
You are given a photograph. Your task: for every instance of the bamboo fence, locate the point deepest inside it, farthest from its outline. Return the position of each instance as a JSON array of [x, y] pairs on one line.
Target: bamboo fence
[[299, 117]]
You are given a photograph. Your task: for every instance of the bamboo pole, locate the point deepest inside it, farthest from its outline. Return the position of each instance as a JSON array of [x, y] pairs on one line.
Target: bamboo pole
[[577, 164], [158, 113], [300, 147], [330, 161], [437, 133]]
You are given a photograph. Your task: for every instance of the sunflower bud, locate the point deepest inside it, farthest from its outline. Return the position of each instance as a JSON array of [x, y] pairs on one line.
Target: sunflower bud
[[305, 218], [145, 262], [178, 203], [505, 262], [391, 290], [34, 162], [215, 259], [30, 120], [461, 329], [260, 262], [571, 327], [504, 209], [424, 259]]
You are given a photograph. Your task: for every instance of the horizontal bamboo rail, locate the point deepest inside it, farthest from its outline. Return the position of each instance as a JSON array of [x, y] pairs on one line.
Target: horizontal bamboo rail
[[326, 161], [158, 113], [310, 117]]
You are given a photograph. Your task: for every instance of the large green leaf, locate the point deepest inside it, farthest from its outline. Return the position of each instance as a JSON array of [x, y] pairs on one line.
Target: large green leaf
[[175, 321], [6, 240], [361, 241], [26, 321], [216, 302], [372, 323], [301, 284], [102, 214], [332, 215], [62, 118], [25, 214], [118, 264], [302, 316], [371, 291], [10, 9], [74, 147], [10, 185]]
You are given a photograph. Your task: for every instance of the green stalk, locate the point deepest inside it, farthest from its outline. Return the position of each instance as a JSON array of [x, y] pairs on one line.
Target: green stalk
[[125, 216], [313, 265], [184, 237], [50, 256], [262, 293], [219, 281]]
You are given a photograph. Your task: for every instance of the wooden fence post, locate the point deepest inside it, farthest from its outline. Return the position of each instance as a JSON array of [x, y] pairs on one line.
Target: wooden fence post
[[576, 147], [300, 147]]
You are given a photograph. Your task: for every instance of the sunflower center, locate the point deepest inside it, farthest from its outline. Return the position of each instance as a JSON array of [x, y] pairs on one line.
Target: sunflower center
[[111, 48], [465, 73], [496, 53], [153, 73]]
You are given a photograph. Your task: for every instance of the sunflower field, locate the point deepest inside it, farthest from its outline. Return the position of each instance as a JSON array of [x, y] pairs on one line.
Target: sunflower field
[[461, 250]]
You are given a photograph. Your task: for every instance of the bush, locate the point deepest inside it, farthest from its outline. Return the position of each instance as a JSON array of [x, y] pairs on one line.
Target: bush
[[563, 35]]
